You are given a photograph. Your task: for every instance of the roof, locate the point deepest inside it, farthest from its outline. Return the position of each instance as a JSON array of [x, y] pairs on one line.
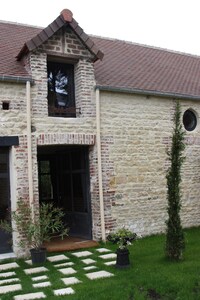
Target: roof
[[137, 67], [125, 65], [65, 17]]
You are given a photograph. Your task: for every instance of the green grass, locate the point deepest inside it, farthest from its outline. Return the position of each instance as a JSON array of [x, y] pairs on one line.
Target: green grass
[[150, 276]]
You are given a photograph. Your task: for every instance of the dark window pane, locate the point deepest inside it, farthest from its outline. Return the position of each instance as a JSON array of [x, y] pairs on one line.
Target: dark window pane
[[79, 193], [77, 160], [189, 120], [44, 167], [46, 189], [61, 98], [66, 192]]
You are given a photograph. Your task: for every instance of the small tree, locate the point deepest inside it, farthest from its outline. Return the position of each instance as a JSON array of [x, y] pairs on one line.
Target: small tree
[[174, 236]]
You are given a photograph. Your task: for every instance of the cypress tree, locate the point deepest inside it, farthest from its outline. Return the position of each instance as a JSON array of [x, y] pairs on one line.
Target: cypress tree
[[175, 243]]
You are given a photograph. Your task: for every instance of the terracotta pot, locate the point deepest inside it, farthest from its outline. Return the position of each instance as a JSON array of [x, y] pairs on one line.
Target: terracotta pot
[[122, 258]]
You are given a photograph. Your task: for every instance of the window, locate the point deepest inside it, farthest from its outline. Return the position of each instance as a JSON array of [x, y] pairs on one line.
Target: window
[[61, 97], [45, 184], [189, 120]]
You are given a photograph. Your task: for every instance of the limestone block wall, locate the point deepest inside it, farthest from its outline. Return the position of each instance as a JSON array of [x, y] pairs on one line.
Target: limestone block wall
[[12, 121], [135, 133]]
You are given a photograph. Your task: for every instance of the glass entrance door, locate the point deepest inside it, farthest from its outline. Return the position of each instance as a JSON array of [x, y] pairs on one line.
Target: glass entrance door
[[64, 180]]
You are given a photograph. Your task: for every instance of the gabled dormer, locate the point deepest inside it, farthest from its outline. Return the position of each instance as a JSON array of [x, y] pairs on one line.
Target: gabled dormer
[[60, 59]]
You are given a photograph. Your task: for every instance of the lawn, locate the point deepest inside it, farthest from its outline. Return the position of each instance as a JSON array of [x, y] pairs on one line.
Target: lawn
[[150, 275]]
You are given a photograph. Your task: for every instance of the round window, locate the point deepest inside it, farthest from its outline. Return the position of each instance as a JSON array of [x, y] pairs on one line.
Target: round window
[[189, 120]]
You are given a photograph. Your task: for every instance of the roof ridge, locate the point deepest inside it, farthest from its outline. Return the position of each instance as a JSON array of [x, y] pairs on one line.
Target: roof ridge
[[146, 46], [21, 24]]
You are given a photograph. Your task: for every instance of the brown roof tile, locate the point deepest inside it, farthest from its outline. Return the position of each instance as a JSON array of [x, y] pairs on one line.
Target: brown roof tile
[[137, 67], [125, 65]]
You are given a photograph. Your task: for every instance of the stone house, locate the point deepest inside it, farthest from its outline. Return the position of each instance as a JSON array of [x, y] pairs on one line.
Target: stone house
[[85, 122]]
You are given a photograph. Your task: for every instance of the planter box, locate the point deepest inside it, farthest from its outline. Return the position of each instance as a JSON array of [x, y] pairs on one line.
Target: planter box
[[122, 258]]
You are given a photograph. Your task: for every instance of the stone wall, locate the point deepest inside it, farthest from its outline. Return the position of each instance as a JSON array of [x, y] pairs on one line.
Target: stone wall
[[52, 130], [136, 132]]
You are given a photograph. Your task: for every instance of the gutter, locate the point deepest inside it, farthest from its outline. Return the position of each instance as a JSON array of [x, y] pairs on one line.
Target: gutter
[[16, 79], [98, 141], [147, 92]]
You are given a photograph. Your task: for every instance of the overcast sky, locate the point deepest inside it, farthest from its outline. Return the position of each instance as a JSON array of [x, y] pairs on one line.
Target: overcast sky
[[171, 24]]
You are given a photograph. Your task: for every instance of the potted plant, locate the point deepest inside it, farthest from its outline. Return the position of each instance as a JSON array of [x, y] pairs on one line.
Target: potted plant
[[34, 231], [123, 238]]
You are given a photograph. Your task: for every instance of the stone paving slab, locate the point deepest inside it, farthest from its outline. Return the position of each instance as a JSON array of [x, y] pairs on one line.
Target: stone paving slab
[[110, 263], [82, 253], [41, 284], [35, 270], [66, 291], [7, 256], [67, 271], [70, 280], [7, 274], [10, 288], [88, 261], [8, 266], [108, 256], [38, 278], [102, 250], [99, 274], [57, 258], [89, 268], [29, 262], [67, 264], [9, 280], [30, 296]]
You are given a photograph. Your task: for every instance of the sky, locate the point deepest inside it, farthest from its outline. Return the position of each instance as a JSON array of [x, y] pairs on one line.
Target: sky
[[169, 24]]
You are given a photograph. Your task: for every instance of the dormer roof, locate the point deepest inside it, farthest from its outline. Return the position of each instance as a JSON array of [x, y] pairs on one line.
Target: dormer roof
[[65, 17]]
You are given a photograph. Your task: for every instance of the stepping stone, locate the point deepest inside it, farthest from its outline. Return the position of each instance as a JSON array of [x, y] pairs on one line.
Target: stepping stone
[[38, 278], [57, 258], [10, 288], [108, 256], [99, 274], [9, 280], [70, 263], [70, 280], [66, 291], [7, 256], [41, 284], [35, 270], [29, 262], [30, 296], [82, 253], [102, 250], [110, 263], [7, 274], [88, 261], [67, 271], [8, 266], [89, 268]]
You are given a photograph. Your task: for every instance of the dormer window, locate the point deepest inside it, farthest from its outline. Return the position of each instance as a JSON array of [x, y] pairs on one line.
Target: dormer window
[[61, 98]]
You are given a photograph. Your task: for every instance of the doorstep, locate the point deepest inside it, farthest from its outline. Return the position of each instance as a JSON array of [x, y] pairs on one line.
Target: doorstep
[[69, 243]]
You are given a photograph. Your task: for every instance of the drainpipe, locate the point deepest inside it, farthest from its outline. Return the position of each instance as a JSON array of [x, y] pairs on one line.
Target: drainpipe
[[98, 140], [29, 144]]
